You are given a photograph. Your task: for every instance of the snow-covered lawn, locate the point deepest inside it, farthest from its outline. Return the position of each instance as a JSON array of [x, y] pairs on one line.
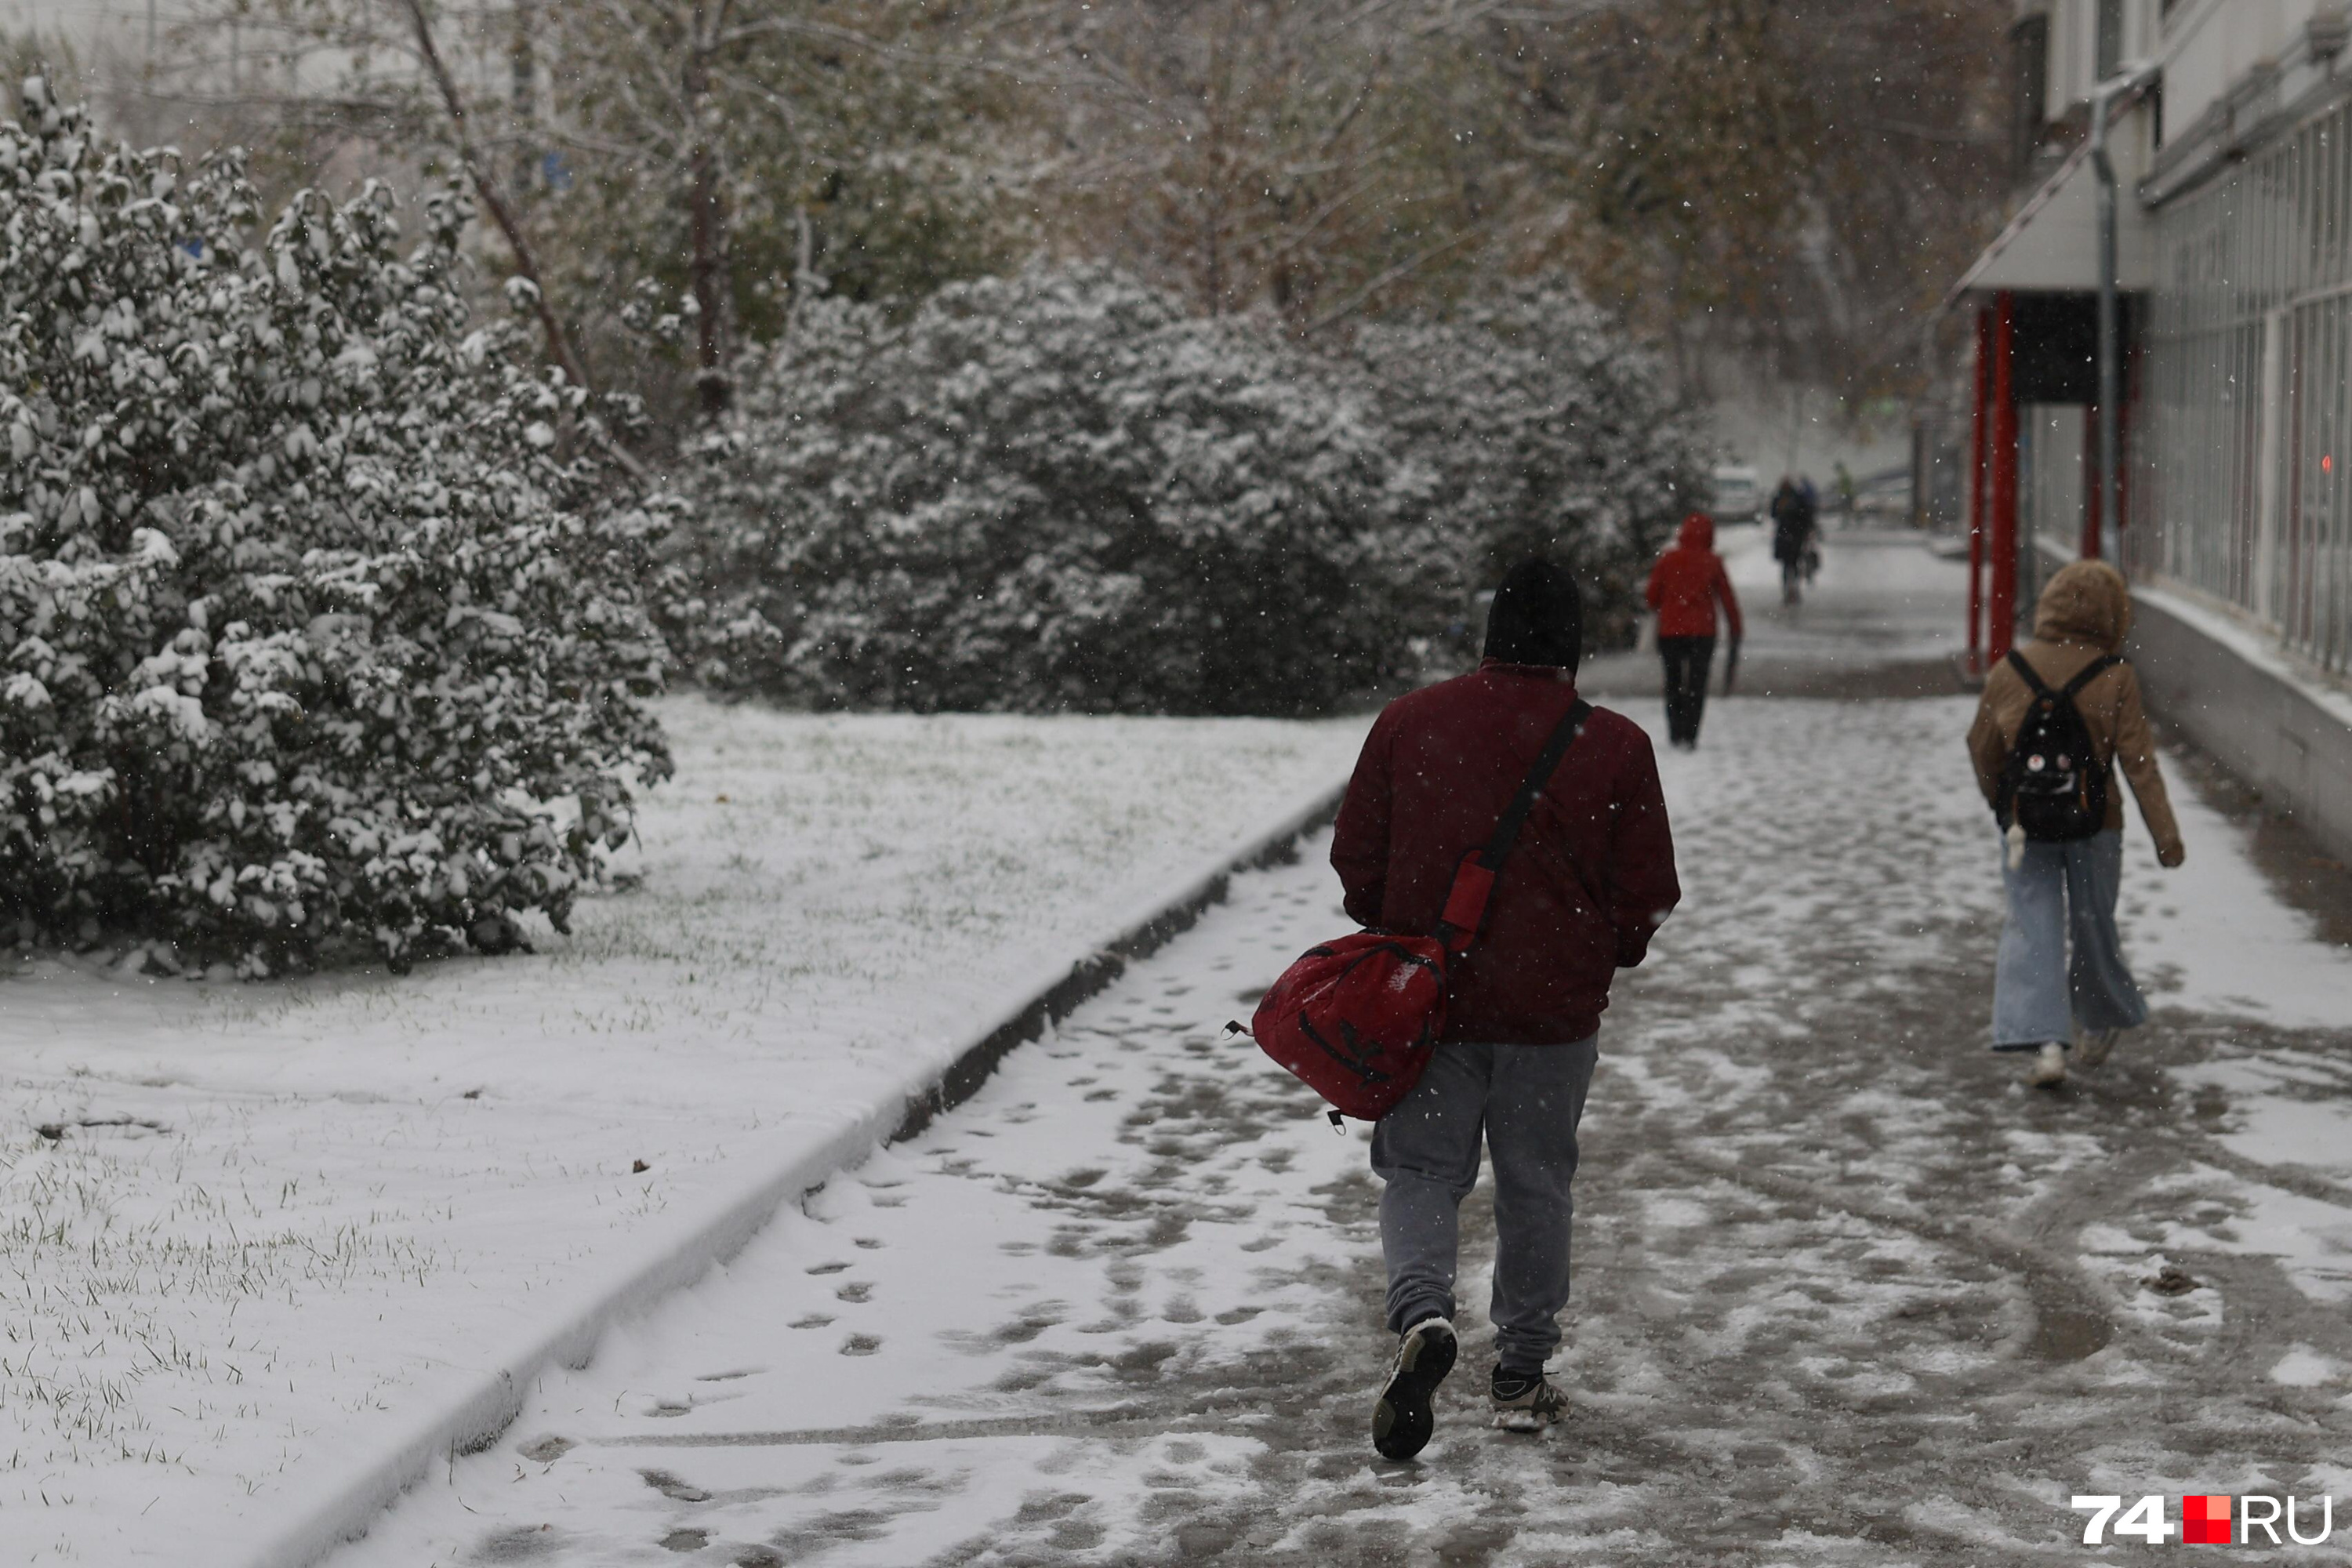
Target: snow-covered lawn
[[240, 1224]]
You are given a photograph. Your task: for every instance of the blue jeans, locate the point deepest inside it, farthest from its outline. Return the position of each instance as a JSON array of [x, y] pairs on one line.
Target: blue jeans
[[1522, 1102], [2043, 983]]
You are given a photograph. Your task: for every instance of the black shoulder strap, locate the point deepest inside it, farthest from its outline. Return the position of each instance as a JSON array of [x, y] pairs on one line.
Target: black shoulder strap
[[2072, 689], [2017, 662], [2092, 672], [1563, 735]]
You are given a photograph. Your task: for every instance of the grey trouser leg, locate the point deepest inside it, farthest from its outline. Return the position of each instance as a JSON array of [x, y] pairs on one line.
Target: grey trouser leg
[[1526, 1101], [2060, 957]]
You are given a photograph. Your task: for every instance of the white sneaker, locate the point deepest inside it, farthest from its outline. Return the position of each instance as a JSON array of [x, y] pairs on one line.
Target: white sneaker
[[2048, 1068], [2092, 1046]]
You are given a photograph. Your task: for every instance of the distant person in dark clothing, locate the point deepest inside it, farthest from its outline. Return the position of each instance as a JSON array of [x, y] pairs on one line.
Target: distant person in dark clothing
[[1813, 534], [1590, 879], [1684, 587], [1794, 519]]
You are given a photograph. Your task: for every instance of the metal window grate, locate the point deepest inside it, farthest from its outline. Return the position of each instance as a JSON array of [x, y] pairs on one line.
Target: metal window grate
[[2245, 425]]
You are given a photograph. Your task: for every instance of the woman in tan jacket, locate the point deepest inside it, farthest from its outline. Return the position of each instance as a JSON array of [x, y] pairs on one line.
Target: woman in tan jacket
[[2045, 997]]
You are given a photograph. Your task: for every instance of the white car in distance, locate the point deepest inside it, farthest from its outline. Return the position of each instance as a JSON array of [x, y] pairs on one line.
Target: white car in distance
[[1737, 496]]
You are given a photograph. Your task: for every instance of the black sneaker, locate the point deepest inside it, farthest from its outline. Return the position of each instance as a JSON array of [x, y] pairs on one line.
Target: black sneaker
[[1525, 1401], [2092, 1046], [1401, 1421]]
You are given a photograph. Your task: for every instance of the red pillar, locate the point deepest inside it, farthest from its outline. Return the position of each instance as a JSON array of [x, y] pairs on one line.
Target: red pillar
[[2001, 635], [1976, 490], [2089, 547]]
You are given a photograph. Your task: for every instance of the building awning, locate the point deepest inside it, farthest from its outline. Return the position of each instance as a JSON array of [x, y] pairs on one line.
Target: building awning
[[2051, 245]]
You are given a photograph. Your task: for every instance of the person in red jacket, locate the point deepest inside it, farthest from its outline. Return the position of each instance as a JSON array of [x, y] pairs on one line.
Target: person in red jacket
[[1684, 587], [1591, 878]]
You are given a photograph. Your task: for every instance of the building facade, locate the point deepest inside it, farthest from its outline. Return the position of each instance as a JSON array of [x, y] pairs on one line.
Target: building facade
[[2250, 334], [2229, 133]]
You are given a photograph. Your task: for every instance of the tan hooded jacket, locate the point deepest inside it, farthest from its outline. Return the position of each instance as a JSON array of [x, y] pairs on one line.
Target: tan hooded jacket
[[2084, 614]]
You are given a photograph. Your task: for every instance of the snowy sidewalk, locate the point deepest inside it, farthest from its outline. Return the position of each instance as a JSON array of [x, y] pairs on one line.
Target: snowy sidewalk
[[1847, 1294], [1884, 618], [246, 1232]]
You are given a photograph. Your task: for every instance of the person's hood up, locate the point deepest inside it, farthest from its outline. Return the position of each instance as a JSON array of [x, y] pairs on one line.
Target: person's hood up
[[2087, 602], [1698, 532]]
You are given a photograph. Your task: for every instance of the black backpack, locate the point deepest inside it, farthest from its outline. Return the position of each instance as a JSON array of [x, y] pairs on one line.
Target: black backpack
[[2055, 784]]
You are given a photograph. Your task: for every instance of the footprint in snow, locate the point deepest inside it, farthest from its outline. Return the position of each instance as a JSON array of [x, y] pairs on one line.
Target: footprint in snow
[[677, 1490]]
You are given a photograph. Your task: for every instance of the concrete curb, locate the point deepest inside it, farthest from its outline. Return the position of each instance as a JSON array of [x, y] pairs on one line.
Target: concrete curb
[[476, 1405]]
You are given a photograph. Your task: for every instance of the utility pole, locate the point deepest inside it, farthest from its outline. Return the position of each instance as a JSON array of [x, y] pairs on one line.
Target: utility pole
[[2110, 361]]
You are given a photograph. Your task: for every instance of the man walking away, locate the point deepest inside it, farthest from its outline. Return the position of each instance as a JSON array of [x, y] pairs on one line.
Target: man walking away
[[1684, 587], [1591, 877], [2045, 995], [1792, 535]]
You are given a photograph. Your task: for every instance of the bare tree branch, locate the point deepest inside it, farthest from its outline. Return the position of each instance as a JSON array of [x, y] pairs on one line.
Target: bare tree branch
[[1396, 274], [494, 201]]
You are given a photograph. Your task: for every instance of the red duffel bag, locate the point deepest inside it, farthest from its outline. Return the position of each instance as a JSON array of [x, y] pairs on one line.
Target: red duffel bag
[[1356, 1019]]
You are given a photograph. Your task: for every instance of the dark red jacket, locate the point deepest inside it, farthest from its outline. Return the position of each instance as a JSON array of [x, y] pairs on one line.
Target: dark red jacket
[[1593, 874], [1688, 580]]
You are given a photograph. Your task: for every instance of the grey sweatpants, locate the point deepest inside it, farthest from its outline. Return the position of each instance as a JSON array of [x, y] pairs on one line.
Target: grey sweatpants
[[1526, 1101]]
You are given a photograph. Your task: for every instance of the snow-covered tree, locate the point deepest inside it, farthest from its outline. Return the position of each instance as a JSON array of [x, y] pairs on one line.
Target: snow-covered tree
[[1555, 432], [311, 637], [1062, 490]]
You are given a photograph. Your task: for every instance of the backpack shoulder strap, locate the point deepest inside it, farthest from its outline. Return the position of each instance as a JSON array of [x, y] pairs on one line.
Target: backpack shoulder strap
[[2090, 672], [1474, 879], [2017, 662], [1547, 762]]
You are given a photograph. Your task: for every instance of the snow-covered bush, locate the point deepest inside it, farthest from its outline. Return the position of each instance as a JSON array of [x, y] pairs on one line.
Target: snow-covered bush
[[310, 639], [1555, 432], [1060, 490]]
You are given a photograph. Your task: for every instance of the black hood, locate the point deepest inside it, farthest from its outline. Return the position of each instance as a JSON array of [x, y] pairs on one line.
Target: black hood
[[1537, 618]]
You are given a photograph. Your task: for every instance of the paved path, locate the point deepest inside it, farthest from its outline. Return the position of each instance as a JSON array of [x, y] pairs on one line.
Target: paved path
[[1847, 1293], [1883, 619]]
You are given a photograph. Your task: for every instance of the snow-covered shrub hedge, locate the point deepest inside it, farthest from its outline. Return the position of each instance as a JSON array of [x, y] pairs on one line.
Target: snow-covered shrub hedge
[[310, 639], [1060, 490], [1555, 432]]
